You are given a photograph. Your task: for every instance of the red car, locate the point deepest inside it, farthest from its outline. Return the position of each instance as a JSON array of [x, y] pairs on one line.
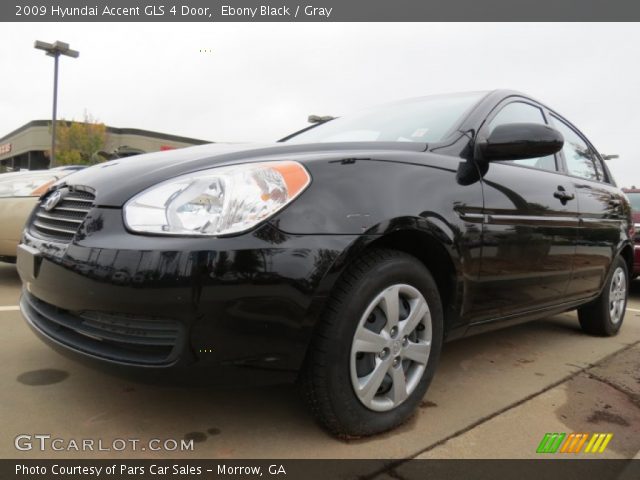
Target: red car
[[634, 195]]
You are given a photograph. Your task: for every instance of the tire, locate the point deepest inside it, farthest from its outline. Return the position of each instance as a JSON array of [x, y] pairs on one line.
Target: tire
[[341, 357], [604, 316]]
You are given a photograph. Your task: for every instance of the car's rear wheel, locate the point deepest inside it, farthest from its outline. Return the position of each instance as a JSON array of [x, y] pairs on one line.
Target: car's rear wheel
[[377, 346], [604, 316]]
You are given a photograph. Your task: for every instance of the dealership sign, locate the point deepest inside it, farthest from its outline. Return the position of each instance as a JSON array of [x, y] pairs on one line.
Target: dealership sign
[[5, 148]]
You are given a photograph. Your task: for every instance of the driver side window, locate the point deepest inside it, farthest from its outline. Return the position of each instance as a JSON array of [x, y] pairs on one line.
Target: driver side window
[[520, 112]]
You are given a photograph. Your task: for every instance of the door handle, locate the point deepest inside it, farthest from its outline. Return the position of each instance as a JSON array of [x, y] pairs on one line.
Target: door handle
[[563, 195]]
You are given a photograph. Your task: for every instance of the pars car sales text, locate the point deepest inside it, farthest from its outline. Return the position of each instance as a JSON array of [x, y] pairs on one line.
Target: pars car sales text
[[153, 469], [115, 469]]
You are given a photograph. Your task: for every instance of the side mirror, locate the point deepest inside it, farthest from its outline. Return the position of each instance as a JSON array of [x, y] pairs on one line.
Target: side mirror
[[517, 141]]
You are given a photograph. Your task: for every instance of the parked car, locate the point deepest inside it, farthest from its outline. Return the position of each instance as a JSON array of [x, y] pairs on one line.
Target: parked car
[[634, 196], [342, 256], [19, 192]]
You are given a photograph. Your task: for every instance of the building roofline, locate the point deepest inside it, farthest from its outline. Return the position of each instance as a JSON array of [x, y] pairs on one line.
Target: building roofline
[[112, 130]]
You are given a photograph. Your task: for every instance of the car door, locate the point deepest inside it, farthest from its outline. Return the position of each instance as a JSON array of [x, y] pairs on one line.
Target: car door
[[530, 226], [601, 207]]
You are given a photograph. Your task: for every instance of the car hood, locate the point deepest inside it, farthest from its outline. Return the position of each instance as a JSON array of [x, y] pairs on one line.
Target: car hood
[[116, 181]]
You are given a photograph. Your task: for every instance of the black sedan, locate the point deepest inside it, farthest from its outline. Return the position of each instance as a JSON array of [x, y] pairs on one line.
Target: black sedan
[[342, 256]]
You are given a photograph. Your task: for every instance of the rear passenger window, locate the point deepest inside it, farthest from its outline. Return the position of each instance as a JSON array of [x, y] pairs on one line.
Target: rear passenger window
[[520, 112], [580, 159]]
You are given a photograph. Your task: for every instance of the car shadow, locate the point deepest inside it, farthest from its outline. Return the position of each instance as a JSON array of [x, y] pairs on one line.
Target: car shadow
[[9, 277]]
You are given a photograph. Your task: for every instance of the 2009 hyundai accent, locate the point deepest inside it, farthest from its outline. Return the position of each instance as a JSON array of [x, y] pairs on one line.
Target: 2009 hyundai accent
[[343, 255]]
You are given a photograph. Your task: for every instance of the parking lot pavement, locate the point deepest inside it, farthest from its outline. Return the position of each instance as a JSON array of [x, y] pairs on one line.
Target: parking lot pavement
[[602, 399], [508, 387]]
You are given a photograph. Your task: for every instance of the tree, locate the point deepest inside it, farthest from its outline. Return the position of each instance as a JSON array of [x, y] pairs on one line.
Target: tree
[[77, 142]]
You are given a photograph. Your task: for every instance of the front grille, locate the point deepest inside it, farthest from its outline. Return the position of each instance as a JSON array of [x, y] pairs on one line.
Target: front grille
[[132, 339], [63, 220]]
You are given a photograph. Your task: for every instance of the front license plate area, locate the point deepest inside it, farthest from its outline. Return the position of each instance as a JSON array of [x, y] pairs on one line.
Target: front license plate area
[[29, 261]]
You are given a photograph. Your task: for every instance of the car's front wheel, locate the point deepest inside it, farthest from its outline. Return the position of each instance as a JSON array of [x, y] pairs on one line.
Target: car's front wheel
[[376, 349]]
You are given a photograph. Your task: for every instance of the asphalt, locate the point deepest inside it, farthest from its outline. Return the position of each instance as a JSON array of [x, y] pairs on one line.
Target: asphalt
[[494, 396]]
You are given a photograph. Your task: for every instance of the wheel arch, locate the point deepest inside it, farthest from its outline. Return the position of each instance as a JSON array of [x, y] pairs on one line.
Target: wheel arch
[[429, 243], [430, 252], [627, 254]]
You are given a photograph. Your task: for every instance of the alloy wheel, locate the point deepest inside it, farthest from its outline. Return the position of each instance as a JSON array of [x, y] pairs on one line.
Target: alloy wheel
[[391, 347], [617, 295]]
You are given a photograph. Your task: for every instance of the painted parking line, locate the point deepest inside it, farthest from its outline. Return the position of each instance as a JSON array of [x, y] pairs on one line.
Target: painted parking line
[[9, 308], [633, 309]]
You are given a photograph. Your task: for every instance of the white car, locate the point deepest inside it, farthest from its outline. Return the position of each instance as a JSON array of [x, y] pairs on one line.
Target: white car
[[19, 192]]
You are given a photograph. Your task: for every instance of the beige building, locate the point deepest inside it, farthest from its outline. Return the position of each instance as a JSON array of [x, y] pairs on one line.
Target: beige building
[[28, 146]]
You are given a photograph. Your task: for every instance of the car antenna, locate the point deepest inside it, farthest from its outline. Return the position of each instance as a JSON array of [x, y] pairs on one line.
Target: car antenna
[[319, 118]]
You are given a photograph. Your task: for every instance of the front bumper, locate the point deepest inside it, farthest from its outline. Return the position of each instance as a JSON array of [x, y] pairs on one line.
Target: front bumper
[[152, 303]]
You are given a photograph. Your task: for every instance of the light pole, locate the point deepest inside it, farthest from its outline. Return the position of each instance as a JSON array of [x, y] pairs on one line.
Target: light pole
[[55, 50]]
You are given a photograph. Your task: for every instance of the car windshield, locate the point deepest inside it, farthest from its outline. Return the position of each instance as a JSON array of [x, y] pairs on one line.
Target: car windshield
[[635, 200], [425, 120]]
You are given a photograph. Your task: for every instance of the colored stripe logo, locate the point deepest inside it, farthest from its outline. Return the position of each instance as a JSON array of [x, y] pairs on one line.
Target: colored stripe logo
[[574, 442]]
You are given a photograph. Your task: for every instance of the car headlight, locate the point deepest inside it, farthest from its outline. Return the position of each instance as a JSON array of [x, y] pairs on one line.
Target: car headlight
[[217, 201], [25, 184]]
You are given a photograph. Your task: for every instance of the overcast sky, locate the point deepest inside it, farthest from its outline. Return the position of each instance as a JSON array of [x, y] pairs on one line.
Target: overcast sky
[[260, 81]]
